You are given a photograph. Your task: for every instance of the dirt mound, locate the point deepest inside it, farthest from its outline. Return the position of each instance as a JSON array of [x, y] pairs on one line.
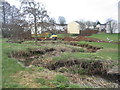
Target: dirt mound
[[87, 67], [89, 48], [93, 67], [88, 32], [38, 55], [15, 41], [83, 38], [80, 38]]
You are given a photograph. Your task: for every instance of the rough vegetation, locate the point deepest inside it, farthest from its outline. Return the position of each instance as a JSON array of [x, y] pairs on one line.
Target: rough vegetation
[[59, 64]]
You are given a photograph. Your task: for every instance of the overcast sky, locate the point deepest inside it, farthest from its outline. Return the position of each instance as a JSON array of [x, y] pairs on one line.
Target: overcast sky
[[80, 9]]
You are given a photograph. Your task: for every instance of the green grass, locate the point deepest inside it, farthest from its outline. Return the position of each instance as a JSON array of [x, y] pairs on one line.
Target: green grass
[[0, 63], [78, 86], [100, 44], [40, 80], [109, 51], [61, 79], [76, 55], [66, 35], [10, 65], [104, 36]]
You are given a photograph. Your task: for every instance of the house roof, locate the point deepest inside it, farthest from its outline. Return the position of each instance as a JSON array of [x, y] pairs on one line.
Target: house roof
[[60, 24], [77, 22], [103, 24]]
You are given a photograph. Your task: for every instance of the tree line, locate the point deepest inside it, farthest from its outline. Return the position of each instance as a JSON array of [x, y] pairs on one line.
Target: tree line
[[18, 21]]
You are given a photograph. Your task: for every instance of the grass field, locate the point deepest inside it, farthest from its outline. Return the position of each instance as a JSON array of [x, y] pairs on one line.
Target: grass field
[[104, 36], [13, 72], [16, 75], [109, 51], [66, 35]]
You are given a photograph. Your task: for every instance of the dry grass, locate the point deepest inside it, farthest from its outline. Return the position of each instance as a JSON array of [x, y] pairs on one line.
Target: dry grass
[[27, 78]]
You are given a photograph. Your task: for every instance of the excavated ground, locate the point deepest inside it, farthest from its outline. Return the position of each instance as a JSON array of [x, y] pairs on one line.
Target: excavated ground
[[43, 57], [83, 38], [89, 48]]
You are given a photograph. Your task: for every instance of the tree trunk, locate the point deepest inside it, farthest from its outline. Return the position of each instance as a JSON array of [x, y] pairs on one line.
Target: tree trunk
[[35, 27], [4, 14], [110, 27]]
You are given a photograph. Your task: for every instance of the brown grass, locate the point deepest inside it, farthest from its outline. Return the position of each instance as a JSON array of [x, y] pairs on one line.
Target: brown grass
[[27, 78]]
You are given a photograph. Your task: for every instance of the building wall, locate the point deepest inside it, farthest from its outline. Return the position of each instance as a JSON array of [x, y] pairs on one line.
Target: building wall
[[56, 27], [59, 27], [102, 27], [33, 30], [107, 28], [73, 28]]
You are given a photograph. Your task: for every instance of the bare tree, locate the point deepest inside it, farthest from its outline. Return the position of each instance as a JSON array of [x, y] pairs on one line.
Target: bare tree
[[6, 11], [94, 24], [13, 24], [52, 23], [112, 25], [36, 11], [88, 23], [62, 20], [7, 16], [15, 14], [82, 24]]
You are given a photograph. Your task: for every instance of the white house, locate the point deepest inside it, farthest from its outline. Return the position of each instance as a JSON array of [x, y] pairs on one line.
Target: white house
[[101, 27], [73, 28], [40, 27], [60, 27], [43, 27]]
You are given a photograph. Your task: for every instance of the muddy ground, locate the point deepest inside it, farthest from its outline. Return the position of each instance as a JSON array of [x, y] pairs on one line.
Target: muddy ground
[[96, 73]]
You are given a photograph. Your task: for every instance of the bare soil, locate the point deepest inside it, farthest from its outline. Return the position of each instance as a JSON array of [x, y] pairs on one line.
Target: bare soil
[[83, 38]]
